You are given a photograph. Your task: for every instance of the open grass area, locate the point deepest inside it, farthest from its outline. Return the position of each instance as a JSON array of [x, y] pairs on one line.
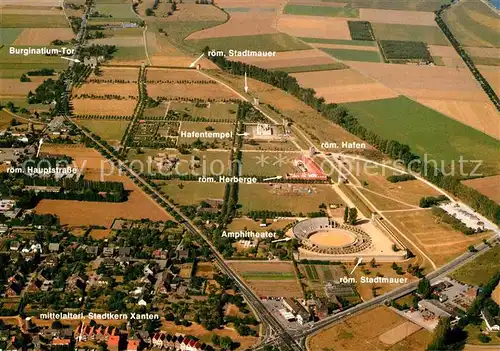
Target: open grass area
[[263, 42], [305, 10], [192, 193], [24, 21], [426, 34], [479, 271], [296, 198], [268, 163], [338, 41], [130, 53], [446, 141], [488, 61], [354, 55], [313, 68], [216, 111], [269, 275], [473, 24], [111, 131], [8, 35], [123, 11]]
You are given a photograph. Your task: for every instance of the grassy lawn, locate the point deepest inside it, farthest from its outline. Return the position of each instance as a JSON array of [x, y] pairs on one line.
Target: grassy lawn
[[252, 164], [354, 55], [302, 199], [489, 61], [420, 5], [108, 130], [408, 122], [117, 10], [192, 193], [474, 331], [304, 10], [263, 42], [216, 111], [480, 271], [426, 34], [129, 53], [8, 35], [338, 41], [23, 21], [314, 68], [473, 24]]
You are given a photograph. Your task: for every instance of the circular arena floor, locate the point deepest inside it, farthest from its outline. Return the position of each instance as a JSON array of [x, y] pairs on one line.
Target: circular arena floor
[[332, 237]]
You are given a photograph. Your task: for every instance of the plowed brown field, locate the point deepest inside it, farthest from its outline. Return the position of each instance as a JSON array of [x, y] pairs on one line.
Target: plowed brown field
[[489, 186], [419, 18], [43, 36], [317, 27], [492, 75], [289, 59], [197, 91], [103, 107], [102, 89], [344, 86]]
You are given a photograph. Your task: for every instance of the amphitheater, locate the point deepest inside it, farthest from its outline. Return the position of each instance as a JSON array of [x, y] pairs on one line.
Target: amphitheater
[[325, 236]]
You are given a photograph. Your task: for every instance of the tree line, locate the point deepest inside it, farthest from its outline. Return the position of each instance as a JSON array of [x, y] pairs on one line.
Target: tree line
[[349, 122]]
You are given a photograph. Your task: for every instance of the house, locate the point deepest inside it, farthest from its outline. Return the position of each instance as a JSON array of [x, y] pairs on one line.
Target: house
[[322, 308], [162, 285], [75, 283], [160, 254], [182, 254], [158, 340], [133, 344], [51, 261], [431, 305], [144, 336], [14, 245], [491, 323], [293, 306], [92, 250], [113, 342], [108, 251], [54, 247], [124, 251]]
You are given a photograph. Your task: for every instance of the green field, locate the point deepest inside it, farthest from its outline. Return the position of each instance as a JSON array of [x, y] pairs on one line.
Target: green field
[[329, 11], [263, 42], [426, 34], [216, 111], [302, 199], [408, 122], [314, 68], [480, 271], [338, 41], [130, 53], [267, 164], [192, 193], [489, 61], [473, 24], [354, 55], [23, 21], [123, 11], [8, 35], [413, 5], [109, 130], [269, 275], [312, 274]]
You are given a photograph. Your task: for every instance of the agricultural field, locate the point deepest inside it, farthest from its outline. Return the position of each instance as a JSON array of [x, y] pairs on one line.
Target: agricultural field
[[419, 18], [275, 279], [427, 34], [244, 223], [361, 30], [111, 131], [215, 111], [445, 56], [286, 60], [95, 107], [330, 11], [489, 186], [399, 51], [479, 271], [114, 75], [422, 5], [354, 55], [192, 193], [78, 213], [314, 27], [448, 140], [438, 240], [342, 86], [6, 118], [386, 334], [116, 11], [364, 43], [40, 20], [128, 90], [42, 36], [296, 198], [473, 24], [262, 42], [209, 90], [315, 276]]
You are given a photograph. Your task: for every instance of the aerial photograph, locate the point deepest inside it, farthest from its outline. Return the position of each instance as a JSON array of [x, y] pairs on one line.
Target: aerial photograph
[[250, 175]]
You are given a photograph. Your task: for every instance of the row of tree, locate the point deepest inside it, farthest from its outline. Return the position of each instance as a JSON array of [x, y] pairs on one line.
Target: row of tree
[[349, 122]]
